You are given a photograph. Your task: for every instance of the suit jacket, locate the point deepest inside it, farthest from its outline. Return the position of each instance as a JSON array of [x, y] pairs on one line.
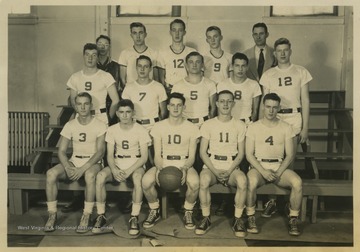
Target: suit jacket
[[269, 61]]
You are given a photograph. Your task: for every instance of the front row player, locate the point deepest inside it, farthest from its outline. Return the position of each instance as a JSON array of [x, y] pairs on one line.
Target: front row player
[[175, 141], [127, 145], [269, 149], [87, 135], [222, 149]]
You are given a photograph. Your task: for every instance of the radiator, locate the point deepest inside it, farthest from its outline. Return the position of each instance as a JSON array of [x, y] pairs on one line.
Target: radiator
[[27, 131]]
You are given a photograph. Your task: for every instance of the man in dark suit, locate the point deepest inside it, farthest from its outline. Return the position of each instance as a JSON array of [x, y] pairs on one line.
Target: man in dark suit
[[266, 60]]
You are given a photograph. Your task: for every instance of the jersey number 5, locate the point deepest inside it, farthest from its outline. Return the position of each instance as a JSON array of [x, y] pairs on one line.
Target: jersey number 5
[[270, 140]]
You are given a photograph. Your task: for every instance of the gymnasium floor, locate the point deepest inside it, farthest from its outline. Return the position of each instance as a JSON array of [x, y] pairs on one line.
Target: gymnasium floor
[[334, 228]]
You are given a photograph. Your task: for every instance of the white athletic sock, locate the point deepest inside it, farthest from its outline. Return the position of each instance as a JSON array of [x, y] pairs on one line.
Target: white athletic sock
[[88, 207], [238, 211], [136, 207], [205, 210], [294, 213], [100, 206], [154, 205], [250, 210], [189, 206], [52, 206]]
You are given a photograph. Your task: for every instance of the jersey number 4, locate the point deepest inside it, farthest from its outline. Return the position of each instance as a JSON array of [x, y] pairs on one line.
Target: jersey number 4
[[270, 140]]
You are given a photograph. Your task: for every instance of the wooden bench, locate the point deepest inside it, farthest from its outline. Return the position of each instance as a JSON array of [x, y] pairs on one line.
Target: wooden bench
[[19, 185], [311, 188]]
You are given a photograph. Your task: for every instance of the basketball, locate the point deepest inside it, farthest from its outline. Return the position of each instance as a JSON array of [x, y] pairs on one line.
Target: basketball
[[170, 178]]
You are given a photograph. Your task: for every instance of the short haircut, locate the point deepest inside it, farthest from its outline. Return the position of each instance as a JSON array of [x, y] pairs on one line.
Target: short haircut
[[137, 24], [90, 46], [194, 53], [239, 56], [282, 41], [176, 95], [103, 37], [178, 21], [272, 96], [260, 25], [83, 94], [224, 92], [141, 57], [125, 103], [213, 28]]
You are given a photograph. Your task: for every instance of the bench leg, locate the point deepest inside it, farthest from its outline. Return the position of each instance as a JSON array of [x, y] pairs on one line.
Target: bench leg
[[164, 204], [18, 201], [314, 209], [303, 209]]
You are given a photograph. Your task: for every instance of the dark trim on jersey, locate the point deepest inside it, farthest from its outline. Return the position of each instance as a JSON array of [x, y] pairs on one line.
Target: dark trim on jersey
[[223, 52], [140, 52], [176, 52]]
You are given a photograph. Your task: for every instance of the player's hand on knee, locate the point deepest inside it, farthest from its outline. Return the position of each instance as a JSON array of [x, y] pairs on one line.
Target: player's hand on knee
[[269, 175], [69, 171]]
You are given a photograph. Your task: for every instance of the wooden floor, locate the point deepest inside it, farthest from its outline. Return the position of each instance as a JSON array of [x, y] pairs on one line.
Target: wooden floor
[[333, 229]]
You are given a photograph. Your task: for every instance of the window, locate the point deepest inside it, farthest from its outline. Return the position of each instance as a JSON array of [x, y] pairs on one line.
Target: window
[[147, 11], [300, 11]]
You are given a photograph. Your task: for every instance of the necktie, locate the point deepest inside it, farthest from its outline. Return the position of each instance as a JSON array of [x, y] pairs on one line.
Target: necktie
[[261, 63]]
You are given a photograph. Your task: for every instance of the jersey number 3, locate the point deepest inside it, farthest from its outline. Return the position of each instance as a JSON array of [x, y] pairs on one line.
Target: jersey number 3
[[82, 137]]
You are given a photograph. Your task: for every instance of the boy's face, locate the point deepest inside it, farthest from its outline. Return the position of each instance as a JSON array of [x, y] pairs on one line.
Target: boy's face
[[213, 38], [240, 67], [143, 68], [138, 35], [282, 53], [175, 107], [271, 109], [103, 46], [83, 106], [194, 64], [125, 115], [225, 103], [90, 58], [177, 32]]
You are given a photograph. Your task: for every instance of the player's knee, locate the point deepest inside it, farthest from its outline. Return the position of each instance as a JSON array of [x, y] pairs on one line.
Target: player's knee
[[90, 176], [252, 183], [205, 180], [100, 178], [51, 176], [241, 182], [193, 182], [297, 184], [147, 182], [137, 177]]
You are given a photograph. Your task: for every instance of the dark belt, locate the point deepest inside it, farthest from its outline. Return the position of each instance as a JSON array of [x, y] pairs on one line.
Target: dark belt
[[222, 158], [128, 156], [270, 160], [82, 156], [289, 110], [196, 120], [147, 121], [244, 119], [175, 157], [102, 110]]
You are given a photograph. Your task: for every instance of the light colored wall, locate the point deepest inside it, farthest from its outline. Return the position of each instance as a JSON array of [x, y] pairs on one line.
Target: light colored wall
[[51, 50]]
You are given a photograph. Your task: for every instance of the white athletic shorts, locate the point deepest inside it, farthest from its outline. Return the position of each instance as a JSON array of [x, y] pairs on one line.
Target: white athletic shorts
[[78, 162], [270, 166], [125, 163], [220, 164], [176, 163], [294, 119]]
